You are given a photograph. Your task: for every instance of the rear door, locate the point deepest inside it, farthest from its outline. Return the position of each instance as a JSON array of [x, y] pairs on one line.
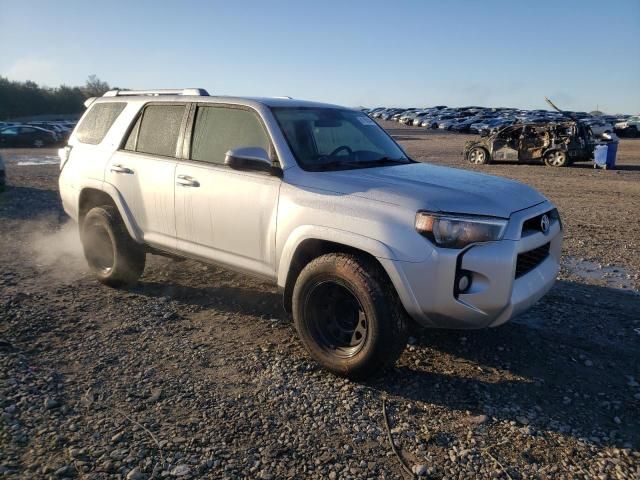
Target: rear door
[[143, 170], [226, 215], [28, 137]]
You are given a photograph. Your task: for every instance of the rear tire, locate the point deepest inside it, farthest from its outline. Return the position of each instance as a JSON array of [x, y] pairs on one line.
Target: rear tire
[[348, 315], [113, 256]]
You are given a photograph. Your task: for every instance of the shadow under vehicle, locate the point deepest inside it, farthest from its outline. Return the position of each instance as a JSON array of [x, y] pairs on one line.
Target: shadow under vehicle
[[557, 144]]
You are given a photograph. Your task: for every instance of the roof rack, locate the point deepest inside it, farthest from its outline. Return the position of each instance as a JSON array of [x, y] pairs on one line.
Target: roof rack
[[198, 92]]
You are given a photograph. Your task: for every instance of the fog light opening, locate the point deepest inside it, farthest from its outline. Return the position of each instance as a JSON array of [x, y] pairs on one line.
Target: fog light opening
[[464, 282]]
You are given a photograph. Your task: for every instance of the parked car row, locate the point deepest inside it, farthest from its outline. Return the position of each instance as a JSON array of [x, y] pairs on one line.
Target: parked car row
[[488, 120], [35, 134], [629, 127]]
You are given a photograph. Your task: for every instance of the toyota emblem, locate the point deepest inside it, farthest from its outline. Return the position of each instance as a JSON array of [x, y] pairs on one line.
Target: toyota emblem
[[545, 223]]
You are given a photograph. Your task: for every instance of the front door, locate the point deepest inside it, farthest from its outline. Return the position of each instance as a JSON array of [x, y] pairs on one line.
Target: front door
[[224, 215]]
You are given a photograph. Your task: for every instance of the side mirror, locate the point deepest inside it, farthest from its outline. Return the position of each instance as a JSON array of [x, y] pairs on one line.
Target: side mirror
[[251, 158]]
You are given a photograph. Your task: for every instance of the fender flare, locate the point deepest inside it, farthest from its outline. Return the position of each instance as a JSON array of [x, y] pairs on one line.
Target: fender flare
[[118, 200], [329, 234]]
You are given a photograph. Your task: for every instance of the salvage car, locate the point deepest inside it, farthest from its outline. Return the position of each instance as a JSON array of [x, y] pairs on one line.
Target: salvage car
[[317, 199], [557, 144]]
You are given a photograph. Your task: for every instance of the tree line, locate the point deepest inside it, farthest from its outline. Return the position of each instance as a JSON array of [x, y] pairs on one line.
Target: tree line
[[24, 99]]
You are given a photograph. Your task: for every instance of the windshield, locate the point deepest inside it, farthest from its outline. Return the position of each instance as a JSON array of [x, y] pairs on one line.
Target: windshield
[[336, 139]]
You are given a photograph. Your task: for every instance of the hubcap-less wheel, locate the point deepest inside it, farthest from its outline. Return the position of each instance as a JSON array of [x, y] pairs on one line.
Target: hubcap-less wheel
[[337, 320], [114, 257], [556, 158], [478, 156], [101, 253]]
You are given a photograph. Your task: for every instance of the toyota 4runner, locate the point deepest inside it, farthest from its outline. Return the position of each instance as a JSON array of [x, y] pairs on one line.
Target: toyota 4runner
[[315, 198]]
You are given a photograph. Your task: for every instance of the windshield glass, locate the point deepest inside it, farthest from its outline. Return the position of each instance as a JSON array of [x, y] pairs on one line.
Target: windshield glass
[[336, 139]]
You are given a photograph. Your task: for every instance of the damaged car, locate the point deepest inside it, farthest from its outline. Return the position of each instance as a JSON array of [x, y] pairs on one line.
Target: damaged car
[[557, 144]]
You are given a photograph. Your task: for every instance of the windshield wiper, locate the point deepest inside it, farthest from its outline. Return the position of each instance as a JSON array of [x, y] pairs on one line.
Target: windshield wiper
[[379, 162], [330, 165], [401, 160]]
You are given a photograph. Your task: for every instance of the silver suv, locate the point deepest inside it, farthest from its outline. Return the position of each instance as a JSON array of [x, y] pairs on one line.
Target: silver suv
[[315, 198]]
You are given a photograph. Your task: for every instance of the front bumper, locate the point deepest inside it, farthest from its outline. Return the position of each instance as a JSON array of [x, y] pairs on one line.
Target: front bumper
[[496, 295]]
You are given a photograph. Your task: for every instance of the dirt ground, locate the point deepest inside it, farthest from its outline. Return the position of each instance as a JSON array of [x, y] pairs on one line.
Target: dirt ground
[[197, 373]]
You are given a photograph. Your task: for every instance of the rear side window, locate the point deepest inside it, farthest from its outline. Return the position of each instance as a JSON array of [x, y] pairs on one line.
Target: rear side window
[[157, 130], [219, 129], [98, 121]]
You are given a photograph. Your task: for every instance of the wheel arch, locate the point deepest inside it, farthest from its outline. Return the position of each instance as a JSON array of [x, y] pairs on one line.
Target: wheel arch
[[90, 197], [310, 248]]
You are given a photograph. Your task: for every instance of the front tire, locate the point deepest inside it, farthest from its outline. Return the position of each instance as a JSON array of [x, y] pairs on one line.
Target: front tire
[[113, 256], [478, 156], [348, 315]]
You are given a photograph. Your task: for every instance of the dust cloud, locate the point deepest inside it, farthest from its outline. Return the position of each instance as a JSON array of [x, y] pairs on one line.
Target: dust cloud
[[55, 247]]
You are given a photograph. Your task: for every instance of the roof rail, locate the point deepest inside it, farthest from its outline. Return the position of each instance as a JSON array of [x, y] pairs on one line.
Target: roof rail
[[198, 92], [89, 101]]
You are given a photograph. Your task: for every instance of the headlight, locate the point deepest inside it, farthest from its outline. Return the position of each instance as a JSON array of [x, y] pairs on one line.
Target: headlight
[[458, 231]]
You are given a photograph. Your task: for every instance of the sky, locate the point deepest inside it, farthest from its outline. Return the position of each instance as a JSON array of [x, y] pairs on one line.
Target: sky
[[583, 54]]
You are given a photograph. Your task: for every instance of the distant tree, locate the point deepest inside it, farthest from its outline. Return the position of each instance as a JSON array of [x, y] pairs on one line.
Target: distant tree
[[25, 99], [95, 87]]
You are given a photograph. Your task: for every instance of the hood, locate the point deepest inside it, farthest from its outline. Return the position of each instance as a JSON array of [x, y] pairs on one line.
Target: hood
[[423, 186]]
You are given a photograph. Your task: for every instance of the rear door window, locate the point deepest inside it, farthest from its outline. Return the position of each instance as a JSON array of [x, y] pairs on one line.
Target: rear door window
[[97, 122], [220, 129], [158, 130]]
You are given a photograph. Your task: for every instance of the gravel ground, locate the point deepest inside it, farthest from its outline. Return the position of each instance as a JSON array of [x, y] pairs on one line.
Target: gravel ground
[[197, 373]]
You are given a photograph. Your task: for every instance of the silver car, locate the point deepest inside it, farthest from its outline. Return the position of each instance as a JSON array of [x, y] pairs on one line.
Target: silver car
[[317, 199]]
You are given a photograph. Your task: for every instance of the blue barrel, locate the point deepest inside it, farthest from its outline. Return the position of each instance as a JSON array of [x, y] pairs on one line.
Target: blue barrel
[[612, 150], [600, 155]]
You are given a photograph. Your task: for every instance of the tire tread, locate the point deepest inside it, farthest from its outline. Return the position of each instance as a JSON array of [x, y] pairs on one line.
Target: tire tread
[[382, 295]]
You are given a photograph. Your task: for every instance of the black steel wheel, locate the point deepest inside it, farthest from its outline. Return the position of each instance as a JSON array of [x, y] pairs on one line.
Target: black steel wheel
[[348, 315], [337, 321]]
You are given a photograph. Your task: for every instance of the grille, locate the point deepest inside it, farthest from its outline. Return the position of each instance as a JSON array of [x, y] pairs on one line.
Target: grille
[[527, 261], [533, 224]]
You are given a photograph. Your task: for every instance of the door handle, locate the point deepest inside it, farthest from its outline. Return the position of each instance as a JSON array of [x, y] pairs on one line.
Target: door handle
[[187, 181], [116, 168]]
